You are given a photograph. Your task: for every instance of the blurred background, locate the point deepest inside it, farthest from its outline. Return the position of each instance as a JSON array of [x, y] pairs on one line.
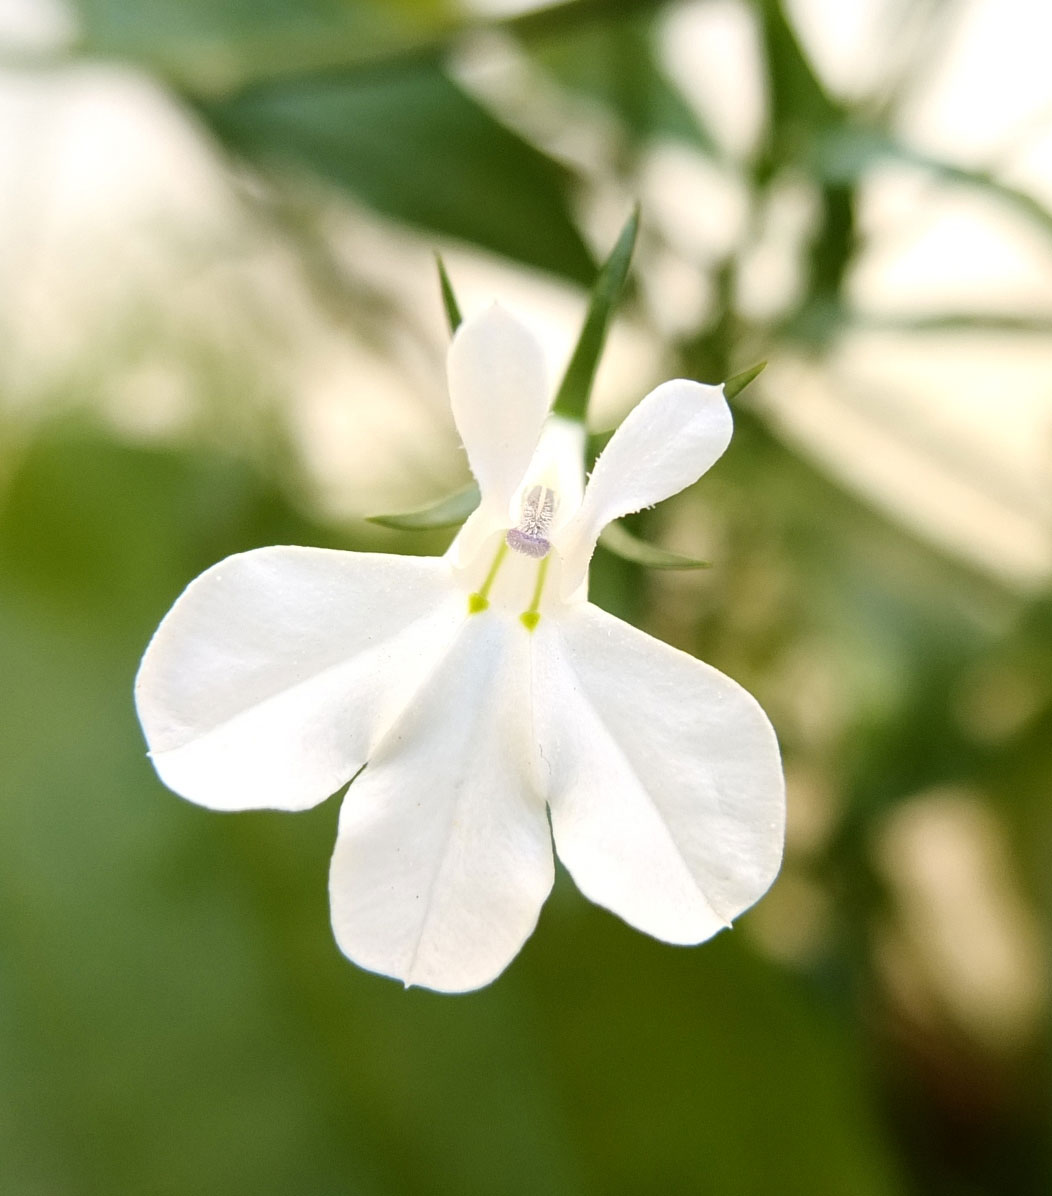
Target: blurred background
[[220, 328]]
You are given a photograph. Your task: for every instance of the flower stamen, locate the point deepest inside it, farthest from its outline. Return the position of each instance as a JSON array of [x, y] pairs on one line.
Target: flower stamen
[[530, 618], [531, 536], [479, 600]]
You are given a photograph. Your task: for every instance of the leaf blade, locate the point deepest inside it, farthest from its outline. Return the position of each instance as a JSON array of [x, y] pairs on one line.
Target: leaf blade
[[414, 146]]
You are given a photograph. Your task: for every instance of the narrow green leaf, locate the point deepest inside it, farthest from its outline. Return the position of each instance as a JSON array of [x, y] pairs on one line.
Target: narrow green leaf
[[447, 512], [798, 96], [449, 299], [616, 538], [572, 398], [738, 382]]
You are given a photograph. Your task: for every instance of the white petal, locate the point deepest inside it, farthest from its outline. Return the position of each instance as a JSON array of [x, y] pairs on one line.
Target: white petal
[[275, 671], [498, 389], [444, 856], [666, 790], [667, 442]]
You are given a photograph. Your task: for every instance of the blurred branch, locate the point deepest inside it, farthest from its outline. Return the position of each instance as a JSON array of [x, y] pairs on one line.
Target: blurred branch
[[844, 153], [915, 32], [821, 318], [998, 322]]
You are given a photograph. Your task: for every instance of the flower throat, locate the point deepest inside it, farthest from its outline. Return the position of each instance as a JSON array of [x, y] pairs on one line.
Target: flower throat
[[529, 539]]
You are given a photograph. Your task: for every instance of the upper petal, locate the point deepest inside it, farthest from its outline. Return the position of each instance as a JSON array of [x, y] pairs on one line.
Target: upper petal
[[666, 790], [271, 677], [667, 442], [444, 857], [498, 389]]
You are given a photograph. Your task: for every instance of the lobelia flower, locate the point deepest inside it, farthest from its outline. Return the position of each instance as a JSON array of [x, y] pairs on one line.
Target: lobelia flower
[[479, 691]]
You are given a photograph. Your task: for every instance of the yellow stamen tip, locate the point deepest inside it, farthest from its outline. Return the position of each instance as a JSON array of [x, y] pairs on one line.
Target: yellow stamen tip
[[530, 618], [477, 604]]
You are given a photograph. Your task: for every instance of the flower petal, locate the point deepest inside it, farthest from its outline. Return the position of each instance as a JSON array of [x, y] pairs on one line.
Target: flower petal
[[667, 442], [274, 673], [498, 389], [666, 790], [444, 857]]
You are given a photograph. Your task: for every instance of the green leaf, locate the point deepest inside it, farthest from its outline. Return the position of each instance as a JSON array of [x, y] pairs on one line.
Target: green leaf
[[800, 108], [799, 100], [738, 382], [616, 538], [447, 512], [211, 46], [449, 299], [571, 400], [615, 64], [412, 145]]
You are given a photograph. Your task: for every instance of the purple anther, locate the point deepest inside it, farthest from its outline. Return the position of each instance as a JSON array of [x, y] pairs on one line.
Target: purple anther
[[531, 536], [528, 543]]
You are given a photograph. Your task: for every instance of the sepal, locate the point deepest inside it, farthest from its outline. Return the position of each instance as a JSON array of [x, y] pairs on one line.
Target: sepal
[[450, 511], [616, 538], [738, 382], [571, 400], [449, 299]]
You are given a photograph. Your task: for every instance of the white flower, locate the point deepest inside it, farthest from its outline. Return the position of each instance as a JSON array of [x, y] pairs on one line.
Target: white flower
[[477, 690]]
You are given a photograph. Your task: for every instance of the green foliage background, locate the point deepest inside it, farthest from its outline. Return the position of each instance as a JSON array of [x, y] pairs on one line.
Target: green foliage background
[[174, 1016]]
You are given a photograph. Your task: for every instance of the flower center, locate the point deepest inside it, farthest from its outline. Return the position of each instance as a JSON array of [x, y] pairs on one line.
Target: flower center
[[529, 539], [535, 522]]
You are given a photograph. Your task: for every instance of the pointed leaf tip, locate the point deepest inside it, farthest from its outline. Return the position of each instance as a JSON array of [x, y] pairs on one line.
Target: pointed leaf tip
[[616, 538], [738, 382], [576, 387], [446, 512], [449, 299]]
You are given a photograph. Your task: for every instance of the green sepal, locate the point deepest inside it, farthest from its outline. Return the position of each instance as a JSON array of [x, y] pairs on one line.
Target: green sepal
[[738, 382], [447, 512], [616, 538], [597, 441], [571, 401], [449, 299]]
